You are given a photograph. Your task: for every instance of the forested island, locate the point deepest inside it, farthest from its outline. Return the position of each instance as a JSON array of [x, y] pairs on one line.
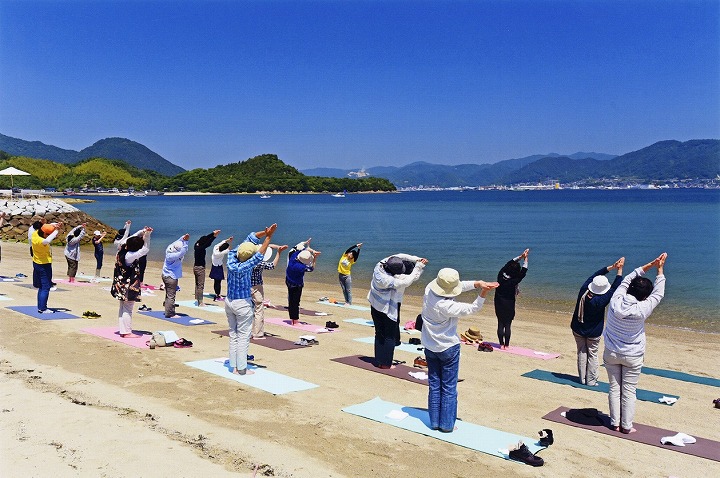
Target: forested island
[[264, 173]]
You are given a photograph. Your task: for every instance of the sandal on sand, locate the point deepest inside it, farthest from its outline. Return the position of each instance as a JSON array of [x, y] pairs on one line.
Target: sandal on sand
[[546, 437], [182, 343], [90, 314], [144, 307]]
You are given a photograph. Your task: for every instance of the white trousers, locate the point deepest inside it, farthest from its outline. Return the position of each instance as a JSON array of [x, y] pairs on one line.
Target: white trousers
[[623, 374], [125, 316], [240, 321]]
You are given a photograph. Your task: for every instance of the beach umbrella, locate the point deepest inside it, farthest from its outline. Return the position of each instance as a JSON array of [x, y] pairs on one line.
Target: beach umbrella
[[11, 171]]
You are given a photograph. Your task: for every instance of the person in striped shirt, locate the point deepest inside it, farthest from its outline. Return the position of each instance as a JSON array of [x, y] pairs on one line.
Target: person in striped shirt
[[238, 302]]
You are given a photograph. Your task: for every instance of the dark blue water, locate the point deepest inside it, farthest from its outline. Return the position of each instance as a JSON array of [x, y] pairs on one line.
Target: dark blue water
[[571, 233]]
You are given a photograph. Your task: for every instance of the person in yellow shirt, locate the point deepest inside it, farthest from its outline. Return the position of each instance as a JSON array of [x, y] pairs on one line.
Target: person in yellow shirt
[[42, 263], [347, 260]]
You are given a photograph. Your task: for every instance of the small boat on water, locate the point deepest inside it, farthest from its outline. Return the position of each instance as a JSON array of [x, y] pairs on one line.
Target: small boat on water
[[340, 195], [265, 196]]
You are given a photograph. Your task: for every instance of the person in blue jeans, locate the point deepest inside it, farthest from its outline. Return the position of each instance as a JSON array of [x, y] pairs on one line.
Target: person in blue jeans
[[440, 314]]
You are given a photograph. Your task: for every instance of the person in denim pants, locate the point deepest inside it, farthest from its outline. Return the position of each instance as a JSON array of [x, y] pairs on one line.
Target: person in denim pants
[[440, 315], [624, 335], [172, 272]]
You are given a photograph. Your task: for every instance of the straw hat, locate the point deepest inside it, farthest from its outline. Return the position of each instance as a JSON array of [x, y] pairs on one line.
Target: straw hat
[[305, 257], [599, 285], [246, 250], [471, 335], [447, 283]]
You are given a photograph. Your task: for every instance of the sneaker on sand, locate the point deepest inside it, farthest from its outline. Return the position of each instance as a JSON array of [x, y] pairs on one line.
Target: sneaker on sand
[[522, 453]]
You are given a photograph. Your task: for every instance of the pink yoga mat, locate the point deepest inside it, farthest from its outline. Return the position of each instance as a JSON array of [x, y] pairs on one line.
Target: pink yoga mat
[[523, 351], [112, 334], [307, 327], [76, 283]]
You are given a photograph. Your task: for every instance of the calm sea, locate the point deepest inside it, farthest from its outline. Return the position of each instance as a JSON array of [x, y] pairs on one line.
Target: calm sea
[[571, 234]]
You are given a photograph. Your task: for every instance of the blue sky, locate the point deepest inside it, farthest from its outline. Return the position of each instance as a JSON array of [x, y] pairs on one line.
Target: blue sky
[[355, 84]]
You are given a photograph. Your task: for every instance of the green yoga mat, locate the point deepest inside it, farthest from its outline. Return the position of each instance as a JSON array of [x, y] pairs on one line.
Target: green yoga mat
[[565, 379], [476, 437]]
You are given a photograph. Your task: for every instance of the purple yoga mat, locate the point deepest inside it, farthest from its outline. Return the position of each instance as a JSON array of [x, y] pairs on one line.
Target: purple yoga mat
[[364, 362], [269, 341], [703, 448]]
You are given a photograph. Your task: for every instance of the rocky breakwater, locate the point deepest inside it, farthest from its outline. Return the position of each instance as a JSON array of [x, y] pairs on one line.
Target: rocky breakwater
[[22, 213]]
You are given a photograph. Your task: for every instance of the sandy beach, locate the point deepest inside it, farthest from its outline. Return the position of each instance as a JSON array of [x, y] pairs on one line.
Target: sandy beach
[[74, 404]]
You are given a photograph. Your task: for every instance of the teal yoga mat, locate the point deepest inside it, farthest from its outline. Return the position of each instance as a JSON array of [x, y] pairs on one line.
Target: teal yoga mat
[[413, 349], [682, 376], [263, 379], [468, 435], [565, 379]]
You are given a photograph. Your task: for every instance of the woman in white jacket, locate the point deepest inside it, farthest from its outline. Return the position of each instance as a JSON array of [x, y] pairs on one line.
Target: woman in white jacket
[[391, 277], [624, 335]]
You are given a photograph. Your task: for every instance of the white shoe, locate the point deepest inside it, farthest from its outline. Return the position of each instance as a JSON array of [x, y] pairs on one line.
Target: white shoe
[[46, 311], [53, 288]]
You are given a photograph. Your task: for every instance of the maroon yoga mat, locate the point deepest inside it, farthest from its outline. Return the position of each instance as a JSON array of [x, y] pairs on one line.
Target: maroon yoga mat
[[703, 448], [269, 341], [400, 371]]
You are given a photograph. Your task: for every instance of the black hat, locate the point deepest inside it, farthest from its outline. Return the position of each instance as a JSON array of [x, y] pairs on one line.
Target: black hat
[[584, 416]]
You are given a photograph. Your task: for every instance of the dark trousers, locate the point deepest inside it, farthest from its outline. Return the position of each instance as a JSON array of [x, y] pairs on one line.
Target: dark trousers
[[42, 279], [387, 337], [294, 295], [217, 285]]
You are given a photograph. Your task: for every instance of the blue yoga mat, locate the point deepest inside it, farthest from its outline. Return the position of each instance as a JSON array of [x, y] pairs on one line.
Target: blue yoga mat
[[184, 319], [468, 435], [32, 311], [413, 349], [264, 379], [353, 307], [209, 307], [685, 377], [565, 379]]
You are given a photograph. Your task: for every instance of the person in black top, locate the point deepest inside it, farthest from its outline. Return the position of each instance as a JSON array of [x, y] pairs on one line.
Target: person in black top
[[199, 266], [509, 278]]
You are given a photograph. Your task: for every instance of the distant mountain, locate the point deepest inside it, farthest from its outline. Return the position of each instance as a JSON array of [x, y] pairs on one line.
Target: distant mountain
[[134, 154], [428, 174], [661, 161], [36, 149]]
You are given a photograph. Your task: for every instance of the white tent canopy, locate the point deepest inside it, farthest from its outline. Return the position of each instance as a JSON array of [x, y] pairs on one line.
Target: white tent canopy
[[12, 171]]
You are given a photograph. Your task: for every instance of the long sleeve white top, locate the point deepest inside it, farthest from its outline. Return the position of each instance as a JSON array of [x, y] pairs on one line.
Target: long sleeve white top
[[625, 324], [386, 290], [440, 317]]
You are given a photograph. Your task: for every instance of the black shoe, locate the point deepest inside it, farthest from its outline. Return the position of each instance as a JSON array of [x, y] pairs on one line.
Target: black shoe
[[414, 341], [523, 454], [546, 437], [331, 325]]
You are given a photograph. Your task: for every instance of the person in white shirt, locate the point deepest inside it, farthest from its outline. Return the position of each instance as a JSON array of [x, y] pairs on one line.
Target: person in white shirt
[[440, 314], [391, 277], [624, 335]]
